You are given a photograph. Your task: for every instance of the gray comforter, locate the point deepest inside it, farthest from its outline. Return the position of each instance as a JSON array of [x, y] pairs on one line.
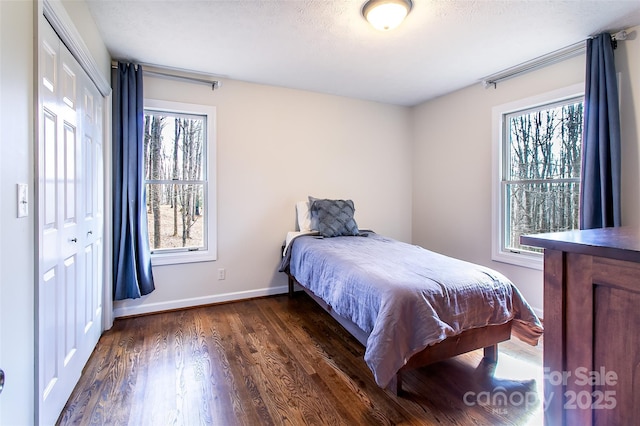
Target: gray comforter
[[404, 296]]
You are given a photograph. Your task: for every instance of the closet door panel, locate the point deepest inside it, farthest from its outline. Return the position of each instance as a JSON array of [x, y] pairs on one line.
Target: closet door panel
[[70, 228]]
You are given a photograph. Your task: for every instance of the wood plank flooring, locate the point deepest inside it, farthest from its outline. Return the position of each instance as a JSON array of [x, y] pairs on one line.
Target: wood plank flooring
[[282, 361]]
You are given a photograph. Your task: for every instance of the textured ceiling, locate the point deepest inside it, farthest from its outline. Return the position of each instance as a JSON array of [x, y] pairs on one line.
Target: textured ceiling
[[326, 46]]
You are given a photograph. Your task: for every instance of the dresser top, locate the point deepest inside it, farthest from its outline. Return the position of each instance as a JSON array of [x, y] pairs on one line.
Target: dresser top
[[621, 243]]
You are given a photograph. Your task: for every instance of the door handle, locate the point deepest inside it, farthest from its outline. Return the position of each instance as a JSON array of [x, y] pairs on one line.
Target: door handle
[[1, 380], [74, 240]]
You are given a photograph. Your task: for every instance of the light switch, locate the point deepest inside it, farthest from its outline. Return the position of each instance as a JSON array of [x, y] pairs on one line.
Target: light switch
[[23, 200]]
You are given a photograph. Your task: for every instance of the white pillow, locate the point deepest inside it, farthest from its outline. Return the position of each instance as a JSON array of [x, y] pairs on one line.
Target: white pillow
[[303, 216]]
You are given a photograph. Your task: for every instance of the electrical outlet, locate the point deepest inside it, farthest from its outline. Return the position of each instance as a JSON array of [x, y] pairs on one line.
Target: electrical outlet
[[221, 274]]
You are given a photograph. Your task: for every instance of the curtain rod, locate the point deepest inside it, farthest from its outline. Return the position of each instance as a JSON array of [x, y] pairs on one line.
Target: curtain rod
[[544, 60], [157, 71]]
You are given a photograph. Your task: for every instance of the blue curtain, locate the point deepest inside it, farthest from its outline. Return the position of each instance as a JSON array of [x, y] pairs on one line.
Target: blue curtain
[[600, 177], [131, 253]]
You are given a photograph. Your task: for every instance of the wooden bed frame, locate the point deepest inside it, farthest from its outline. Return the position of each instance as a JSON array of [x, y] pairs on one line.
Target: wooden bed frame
[[486, 337]]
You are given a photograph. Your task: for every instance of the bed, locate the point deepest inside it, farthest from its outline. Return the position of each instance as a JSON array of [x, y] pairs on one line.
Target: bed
[[407, 305]]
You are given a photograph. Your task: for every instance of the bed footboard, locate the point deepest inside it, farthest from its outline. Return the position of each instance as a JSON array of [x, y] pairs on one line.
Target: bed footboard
[[486, 337]]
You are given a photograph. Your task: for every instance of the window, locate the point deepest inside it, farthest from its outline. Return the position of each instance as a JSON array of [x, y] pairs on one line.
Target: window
[[537, 144], [179, 162]]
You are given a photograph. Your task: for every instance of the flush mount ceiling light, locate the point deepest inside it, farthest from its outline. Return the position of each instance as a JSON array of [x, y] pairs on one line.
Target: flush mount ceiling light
[[385, 15]]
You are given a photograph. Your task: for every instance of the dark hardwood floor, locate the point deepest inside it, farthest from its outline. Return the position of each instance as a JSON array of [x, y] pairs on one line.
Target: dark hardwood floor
[[275, 361]]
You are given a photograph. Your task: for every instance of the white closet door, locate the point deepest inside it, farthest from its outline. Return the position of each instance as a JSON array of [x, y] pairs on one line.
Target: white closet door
[[70, 224]]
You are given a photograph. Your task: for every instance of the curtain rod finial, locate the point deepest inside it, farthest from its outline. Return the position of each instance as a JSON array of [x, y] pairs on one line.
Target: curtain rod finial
[[620, 35], [488, 83]]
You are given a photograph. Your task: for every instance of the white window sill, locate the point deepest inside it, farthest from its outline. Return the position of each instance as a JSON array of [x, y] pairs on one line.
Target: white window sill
[[158, 259], [524, 259]]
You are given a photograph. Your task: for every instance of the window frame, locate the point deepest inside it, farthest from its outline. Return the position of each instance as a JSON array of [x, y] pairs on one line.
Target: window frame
[[173, 257], [526, 259]]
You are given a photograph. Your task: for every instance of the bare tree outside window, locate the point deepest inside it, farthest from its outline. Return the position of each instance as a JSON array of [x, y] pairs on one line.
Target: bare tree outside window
[[541, 174], [174, 155]]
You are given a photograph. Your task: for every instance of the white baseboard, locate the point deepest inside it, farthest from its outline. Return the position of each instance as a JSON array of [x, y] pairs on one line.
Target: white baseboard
[[148, 308]]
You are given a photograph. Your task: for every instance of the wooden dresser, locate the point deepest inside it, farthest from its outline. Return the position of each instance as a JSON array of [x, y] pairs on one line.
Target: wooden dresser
[[592, 326]]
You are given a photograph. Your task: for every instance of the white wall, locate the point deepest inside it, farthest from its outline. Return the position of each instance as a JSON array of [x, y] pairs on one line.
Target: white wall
[[452, 161], [16, 244], [277, 146], [628, 65], [79, 13]]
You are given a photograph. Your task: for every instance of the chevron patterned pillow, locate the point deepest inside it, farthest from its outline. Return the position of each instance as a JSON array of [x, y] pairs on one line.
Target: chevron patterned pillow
[[334, 217]]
